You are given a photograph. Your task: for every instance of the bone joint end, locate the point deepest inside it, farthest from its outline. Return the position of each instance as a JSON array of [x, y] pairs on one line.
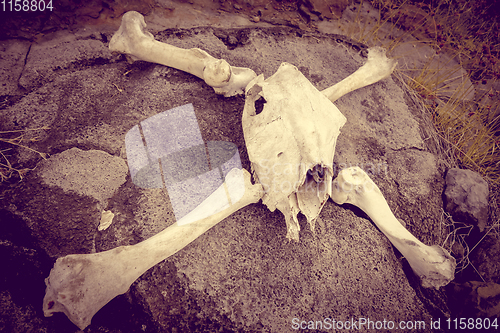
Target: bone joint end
[[433, 264], [133, 40]]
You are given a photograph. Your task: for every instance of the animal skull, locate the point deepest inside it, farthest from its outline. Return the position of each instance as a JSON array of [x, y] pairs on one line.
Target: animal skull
[[291, 143]]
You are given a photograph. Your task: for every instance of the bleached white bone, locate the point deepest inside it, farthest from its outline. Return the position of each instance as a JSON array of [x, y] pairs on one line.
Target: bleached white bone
[[132, 39], [378, 67], [81, 284], [433, 264], [291, 143]]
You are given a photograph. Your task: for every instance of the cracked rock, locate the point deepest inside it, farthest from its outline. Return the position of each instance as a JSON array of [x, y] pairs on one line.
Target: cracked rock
[[13, 54], [47, 58], [476, 299], [219, 277], [61, 203]]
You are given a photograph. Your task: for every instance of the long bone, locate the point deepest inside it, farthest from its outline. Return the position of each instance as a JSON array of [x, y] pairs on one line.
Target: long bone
[[139, 44], [81, 284], [376, 68], [433, 264]]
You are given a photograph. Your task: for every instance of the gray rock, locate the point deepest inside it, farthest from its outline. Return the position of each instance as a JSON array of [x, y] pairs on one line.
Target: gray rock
[[22, 278], [476, 299], [61, 203], [241, 275], [61, 54], [485, 258], [92, 173], [327, 8], [466, 197], [12, 54]]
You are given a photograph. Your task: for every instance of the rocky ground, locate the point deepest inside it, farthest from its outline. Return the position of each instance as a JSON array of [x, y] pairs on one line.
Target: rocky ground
[[241, 276]]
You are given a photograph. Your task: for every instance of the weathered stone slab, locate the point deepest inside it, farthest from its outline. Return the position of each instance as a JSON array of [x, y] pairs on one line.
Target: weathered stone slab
[[12, 55], [242, 275], [62, 200], [45, 59]]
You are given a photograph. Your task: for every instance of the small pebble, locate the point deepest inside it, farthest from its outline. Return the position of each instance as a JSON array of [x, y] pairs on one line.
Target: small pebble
[[106, 220]]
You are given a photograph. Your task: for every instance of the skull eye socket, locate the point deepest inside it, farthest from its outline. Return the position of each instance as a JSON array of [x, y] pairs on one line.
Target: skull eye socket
[[259, 105]]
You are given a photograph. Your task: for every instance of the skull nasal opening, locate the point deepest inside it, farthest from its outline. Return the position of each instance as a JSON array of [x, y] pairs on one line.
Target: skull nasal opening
[[317, 173], [259, 105]]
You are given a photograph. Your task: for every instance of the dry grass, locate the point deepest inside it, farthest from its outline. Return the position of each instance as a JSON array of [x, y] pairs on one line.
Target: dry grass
[[456, 241], [17, 138], [464, 126], [456, 233], [463, 130], [470, 127]]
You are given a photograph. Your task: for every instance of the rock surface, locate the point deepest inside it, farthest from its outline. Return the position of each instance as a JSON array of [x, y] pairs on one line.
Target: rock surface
[[46, 200], [327, 9], [13, 54], [466, 197], [47, 58], [476, 299], [485, 258], [241, 275]]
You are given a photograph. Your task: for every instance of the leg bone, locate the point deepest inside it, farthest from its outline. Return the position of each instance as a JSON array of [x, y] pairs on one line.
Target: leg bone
[[132, 39], [378, 67], [433, 264], [81, 284]]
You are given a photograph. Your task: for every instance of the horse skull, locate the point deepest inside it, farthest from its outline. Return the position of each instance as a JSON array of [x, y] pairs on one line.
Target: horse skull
[[291, 143]]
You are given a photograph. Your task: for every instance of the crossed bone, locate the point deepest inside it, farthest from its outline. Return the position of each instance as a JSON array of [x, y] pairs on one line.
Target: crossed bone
[[79, 285]]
